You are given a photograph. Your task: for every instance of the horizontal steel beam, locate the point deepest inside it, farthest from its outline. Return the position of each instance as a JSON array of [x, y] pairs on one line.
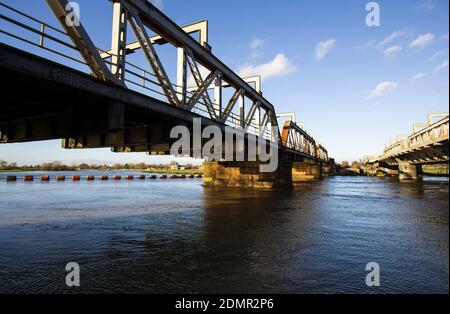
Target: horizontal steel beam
[[199, 27]]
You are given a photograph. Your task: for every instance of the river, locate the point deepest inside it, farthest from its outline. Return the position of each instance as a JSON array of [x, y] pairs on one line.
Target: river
[[175, 236]]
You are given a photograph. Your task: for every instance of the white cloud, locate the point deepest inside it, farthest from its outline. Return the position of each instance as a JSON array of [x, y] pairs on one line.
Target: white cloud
[[428, 5], [393, 50], [444, 37], [442, 66], [257, 43], [395, 35], [279, 66], [418, 76], [423, 40], [323, 48], [382, 89]]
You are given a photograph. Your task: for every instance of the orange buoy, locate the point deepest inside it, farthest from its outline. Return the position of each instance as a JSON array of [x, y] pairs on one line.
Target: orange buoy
[[117, 177], [11, 178], [60, 178], [76, 178], [129, 177], [45, 178], [142, 177], [28, 178], [104, 178], [90, 178]]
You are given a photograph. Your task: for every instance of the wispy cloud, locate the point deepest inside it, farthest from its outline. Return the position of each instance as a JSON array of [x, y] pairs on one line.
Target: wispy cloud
[[324, 47], [393, 50], [382, 89], [418, 77], [423, 41], [428, 5], [277, 67], [257, 43], [393, 36], [442, 66], [435, 56]]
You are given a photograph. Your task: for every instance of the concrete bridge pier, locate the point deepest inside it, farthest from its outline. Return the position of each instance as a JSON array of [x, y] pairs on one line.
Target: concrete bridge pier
[[408, 171], [246, 174], [328, 169], [306, 171]]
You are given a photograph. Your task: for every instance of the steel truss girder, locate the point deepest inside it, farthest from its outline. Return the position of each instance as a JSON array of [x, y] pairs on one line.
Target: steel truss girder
[[156, 20], [202, 85], [231, 104], [200, 27], [263, 125], [251, 114], [149, 51], [82, 41]]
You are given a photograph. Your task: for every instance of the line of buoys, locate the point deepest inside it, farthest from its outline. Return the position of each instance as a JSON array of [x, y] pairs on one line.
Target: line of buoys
[[76, 178], [45, 178], [28, 178], [60, 178]]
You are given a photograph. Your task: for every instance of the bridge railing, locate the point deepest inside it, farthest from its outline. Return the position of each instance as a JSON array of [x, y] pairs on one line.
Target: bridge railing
[[436, 132], [433, 133]]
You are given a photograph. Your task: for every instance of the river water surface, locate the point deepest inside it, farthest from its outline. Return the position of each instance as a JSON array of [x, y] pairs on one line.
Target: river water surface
[[175, 236]]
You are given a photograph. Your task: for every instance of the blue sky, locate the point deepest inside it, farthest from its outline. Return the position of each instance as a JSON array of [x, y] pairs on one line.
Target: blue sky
[[354, 86]]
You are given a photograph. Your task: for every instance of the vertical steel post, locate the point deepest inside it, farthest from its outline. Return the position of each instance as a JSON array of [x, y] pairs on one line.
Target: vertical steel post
[[119, 40], [181, 75], [218, 96]]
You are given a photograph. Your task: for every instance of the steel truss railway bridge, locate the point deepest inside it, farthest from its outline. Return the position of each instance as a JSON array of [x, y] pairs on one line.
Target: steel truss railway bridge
[[57, 84], [427, 144]]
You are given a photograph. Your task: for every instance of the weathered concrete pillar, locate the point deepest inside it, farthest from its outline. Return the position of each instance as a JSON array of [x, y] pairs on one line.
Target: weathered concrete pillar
[[304, 171], [407, 171], [246, 174]]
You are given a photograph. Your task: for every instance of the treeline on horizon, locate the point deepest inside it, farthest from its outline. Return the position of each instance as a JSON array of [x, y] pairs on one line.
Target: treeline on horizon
[[59, 166]]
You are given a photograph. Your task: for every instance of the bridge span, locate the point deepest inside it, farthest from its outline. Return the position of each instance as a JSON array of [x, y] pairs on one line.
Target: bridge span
[[428, 144], [57, 84]]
